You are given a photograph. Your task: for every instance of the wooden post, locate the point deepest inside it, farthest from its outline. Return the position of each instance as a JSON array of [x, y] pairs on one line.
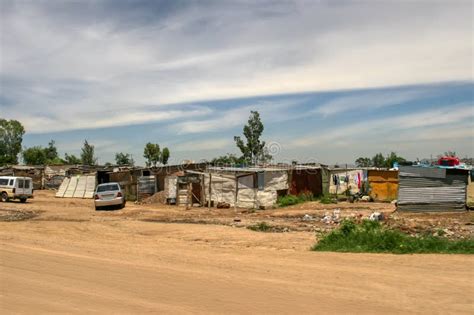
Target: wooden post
[[177, 191], [236, 191], [210, 191], [189, 201]]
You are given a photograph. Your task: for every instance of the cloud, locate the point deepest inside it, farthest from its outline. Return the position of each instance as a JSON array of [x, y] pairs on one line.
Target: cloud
[[372, 100], [273, 111], [212, 144], [389, 128], [62, 61]]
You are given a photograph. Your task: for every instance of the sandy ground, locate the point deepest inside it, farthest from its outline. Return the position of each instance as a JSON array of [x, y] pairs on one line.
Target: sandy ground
[[67, 258]]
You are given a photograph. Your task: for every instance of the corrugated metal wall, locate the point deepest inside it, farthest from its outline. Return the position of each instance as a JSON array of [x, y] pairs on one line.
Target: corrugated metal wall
[[306, 180], [383, 184], [424, 189]]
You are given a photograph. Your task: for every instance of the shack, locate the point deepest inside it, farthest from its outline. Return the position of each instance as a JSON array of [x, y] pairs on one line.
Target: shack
[[432, 189], [343, 180], [250, 187], [383, 185]]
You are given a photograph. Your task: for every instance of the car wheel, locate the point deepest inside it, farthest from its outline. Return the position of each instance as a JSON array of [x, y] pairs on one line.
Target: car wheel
[[22, 200], [4, 197]]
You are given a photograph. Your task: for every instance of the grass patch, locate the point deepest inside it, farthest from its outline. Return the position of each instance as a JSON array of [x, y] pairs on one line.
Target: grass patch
[[260, 227], [289, 200], [327, 199], [372, 237]]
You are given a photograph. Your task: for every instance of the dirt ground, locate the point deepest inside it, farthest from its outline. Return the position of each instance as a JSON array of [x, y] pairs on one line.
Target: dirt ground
[[61, 256]]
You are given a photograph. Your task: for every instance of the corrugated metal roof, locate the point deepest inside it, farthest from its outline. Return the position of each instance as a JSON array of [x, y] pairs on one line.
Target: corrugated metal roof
[[414, 171]]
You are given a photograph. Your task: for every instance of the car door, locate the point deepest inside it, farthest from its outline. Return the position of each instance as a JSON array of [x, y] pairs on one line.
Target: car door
[[20, 186], [27, 187]]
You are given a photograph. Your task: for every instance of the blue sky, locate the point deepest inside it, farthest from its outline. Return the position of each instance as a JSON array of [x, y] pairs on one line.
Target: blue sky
[[332, 80]]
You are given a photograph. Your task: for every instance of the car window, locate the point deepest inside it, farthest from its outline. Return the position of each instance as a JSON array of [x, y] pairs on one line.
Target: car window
[[27, 184], [20, 183], [3, 181], [110, 187], [11, 182]]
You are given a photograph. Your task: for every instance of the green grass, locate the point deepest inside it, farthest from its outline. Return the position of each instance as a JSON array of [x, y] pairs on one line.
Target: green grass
[[372, 237], [289, 200], [260, 227]]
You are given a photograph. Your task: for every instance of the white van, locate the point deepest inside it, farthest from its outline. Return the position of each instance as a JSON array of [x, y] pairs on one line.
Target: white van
[[14, 187]]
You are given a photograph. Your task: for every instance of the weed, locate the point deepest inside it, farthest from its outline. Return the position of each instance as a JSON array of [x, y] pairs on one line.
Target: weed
[[327, 199], [372, 237], [260, 227]]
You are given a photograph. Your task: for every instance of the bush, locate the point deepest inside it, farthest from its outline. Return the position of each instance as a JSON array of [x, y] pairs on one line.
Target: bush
[[327, 199], [372, 237], [290, 200]]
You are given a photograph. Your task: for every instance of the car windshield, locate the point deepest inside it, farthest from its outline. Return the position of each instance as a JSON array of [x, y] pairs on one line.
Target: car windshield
[[110, 187]]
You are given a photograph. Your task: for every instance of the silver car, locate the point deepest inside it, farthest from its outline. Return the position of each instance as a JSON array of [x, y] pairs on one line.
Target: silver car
[[109, 194]]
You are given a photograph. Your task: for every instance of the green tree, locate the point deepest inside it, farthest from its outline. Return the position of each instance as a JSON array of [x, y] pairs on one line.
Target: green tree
[[51, 151], [392, 158], [364, 162], [152, 154], [72, 159], [87, 154], [379, 160], [253, 150], [11, 137], [35, 156], [165, 155], [228, 159], [122, 159]]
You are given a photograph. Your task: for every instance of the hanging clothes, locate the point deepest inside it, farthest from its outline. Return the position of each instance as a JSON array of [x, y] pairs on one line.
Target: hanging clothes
[[358, 181]]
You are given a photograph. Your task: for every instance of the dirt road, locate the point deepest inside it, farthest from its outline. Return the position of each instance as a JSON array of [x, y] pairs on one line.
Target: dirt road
[[71, 259]]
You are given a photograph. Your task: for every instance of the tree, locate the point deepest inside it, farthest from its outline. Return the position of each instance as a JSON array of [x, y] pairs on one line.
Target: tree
[[87, 154], [253, 150], [392, 158], [152, 154], [363, 162], [51, 151], [378, 160], [72, 159], [35, 156], [165, 155], [122, 159], [11, 137], [228, 159]]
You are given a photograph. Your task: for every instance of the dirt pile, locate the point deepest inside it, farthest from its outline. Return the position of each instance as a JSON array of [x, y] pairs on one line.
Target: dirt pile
[[157, 198]]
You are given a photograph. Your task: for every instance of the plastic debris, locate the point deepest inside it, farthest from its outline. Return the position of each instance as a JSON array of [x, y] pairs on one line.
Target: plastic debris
[[376, 216]]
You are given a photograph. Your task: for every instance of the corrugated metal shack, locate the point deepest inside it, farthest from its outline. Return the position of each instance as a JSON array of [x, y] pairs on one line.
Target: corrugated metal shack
[[432, 189], [305, 179], [470, 190], [35, 172], [250, 187], [342, 180], [383, 184]]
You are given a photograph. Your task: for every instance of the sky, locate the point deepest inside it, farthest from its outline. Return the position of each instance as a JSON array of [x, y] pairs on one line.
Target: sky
[[332, 80]]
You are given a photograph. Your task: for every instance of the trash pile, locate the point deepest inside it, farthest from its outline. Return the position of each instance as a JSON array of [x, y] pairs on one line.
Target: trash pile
[[333, 218]]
